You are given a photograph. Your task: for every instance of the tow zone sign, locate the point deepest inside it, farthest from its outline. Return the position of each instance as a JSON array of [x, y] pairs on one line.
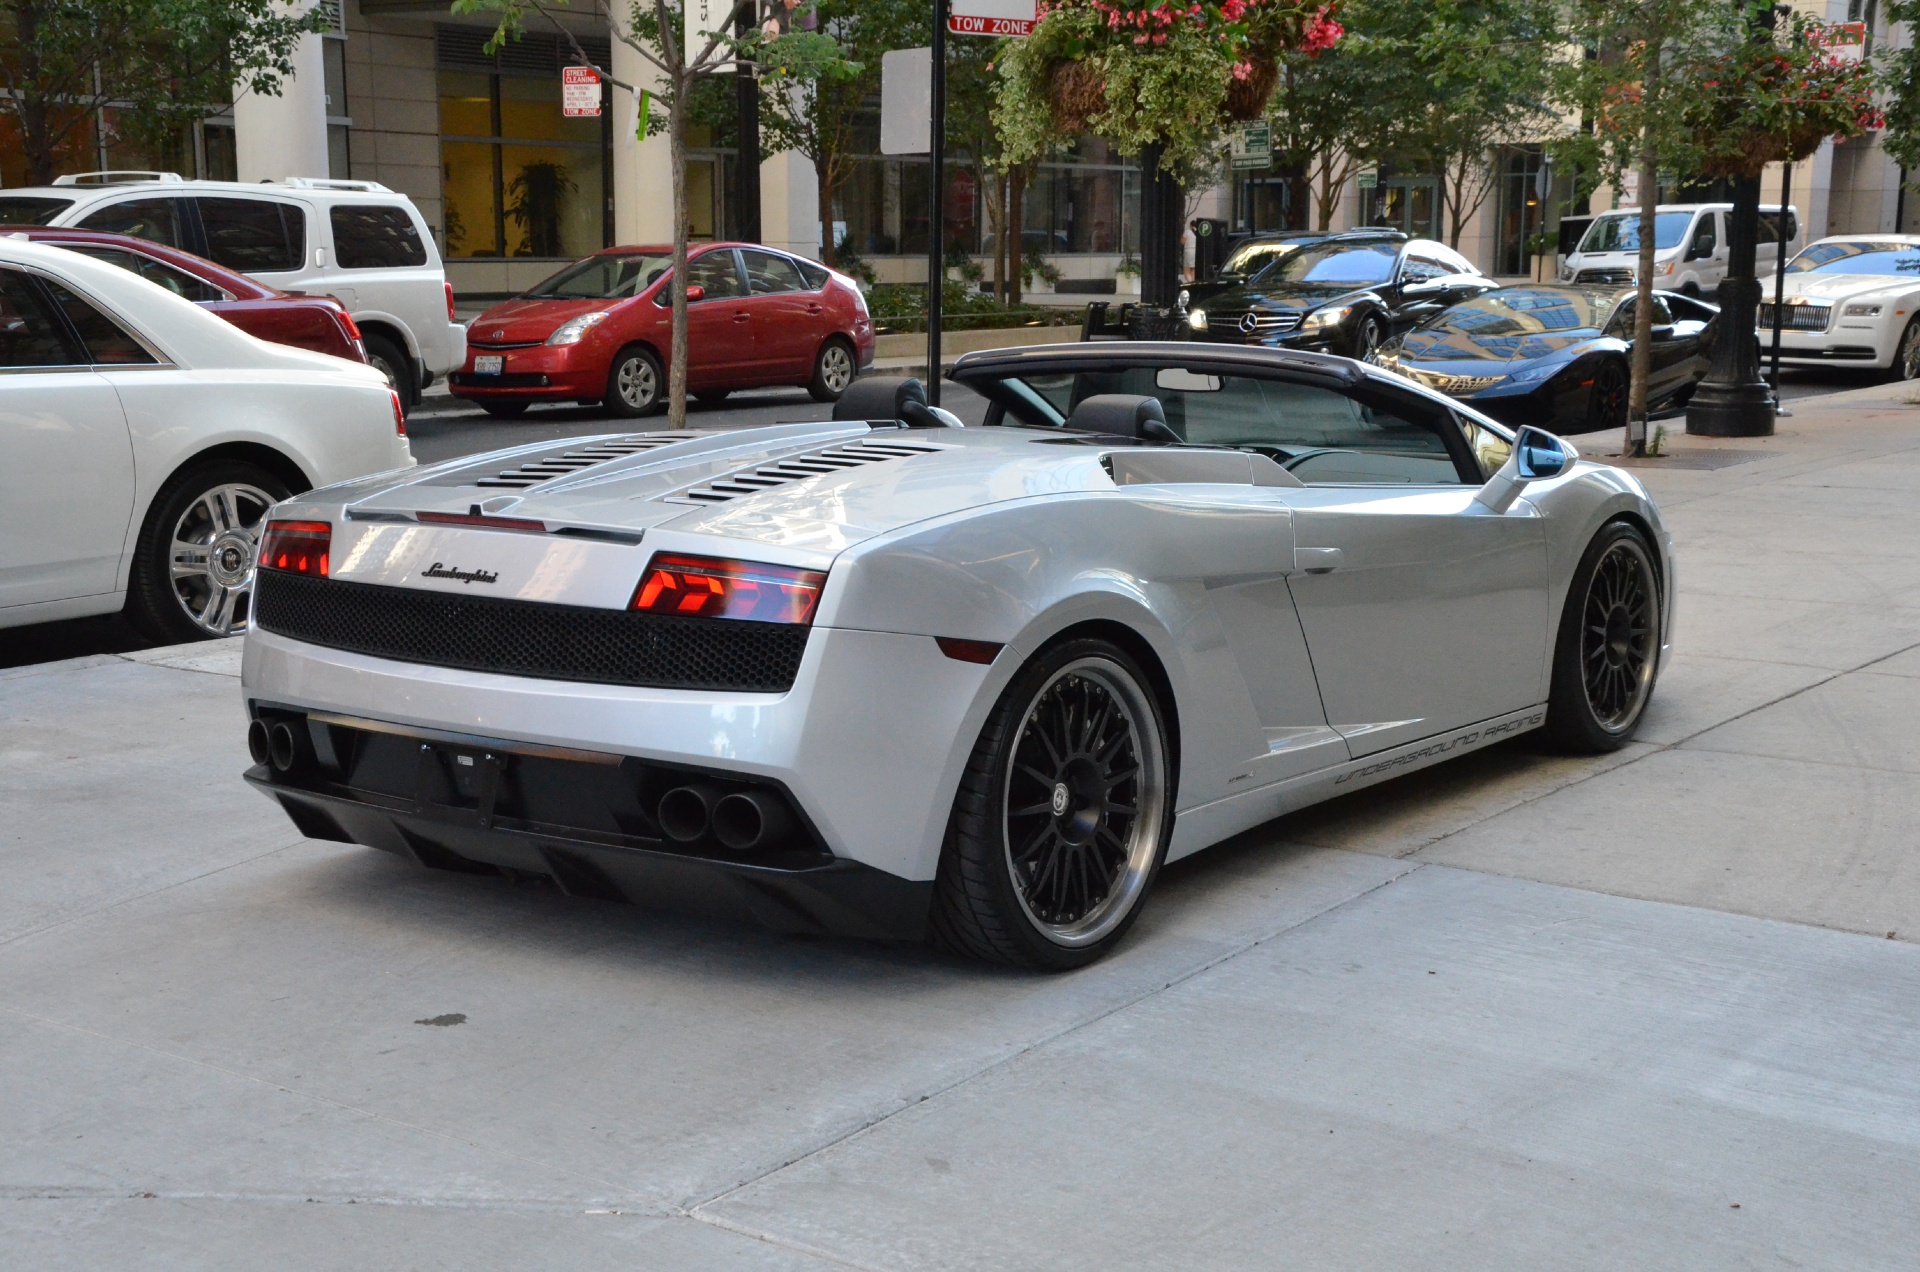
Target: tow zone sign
[[991, 17]]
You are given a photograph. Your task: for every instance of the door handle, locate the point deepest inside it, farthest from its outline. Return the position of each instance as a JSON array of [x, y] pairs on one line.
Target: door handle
[[815, 310], [742, 317], [1318, 560]]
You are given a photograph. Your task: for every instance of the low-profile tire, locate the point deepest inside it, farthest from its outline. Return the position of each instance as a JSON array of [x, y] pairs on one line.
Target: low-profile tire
[[1062, 817], [1906, 355], [1607, 400], [1368, 336], [504, 410], [1607, 652], [391, 360], [193, 563], [834, 368], [712, 397], [635, 384]]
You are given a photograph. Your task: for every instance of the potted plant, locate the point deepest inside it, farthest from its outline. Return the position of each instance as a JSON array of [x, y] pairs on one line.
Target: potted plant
[[1126, 275], [1543, 249]]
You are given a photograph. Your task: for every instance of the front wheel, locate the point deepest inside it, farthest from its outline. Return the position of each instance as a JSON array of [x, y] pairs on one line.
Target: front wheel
[[1906, 359], [1606, 654], [1062, 817], [1607, 399], [1368, 337], [633, 384], [193, 564], [833, 371]]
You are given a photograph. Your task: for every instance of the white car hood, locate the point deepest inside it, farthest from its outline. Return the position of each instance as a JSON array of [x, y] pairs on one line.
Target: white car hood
[[1823, 286]]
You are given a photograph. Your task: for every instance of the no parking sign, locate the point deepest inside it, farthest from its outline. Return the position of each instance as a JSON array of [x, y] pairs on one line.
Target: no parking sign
[[579, 91]]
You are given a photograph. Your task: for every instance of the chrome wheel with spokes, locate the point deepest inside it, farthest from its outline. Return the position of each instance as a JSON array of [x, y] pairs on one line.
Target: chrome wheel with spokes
[[1906, 363], [214, 544], [1608, 650]]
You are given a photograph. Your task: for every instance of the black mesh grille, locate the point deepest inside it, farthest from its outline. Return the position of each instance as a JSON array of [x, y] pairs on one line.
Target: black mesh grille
[[526, 638]]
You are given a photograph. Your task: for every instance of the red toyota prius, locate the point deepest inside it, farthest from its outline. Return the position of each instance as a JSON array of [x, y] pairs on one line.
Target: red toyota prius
[[600, 331]]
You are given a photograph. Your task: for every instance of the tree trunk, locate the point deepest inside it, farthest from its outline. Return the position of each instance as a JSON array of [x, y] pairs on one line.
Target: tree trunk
[[996, 185], [677, 147], [829, 250], [1016, 225], [1642, 356]]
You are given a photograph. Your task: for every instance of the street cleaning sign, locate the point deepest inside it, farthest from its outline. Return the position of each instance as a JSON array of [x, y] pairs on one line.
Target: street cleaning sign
[[579, 91], [1251, 145], [992, 17]]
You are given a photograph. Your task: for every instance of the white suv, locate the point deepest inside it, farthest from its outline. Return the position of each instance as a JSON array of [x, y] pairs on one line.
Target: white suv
[[356, 241], [1689, 247]]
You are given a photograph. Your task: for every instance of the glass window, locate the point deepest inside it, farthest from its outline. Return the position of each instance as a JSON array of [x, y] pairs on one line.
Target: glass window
[[156, 220], [604, 278], [28, 210], [1357, 263], [1421, 269], [177, 281], [715, 272], [29, 335], [1890, 259], [254, 236], [107, 343], [767, 274], [1620, 231], [1250, 258], [1490, 450], [519, 178], [1522, 321], [374, 237], [1770, 227], [815, 275]]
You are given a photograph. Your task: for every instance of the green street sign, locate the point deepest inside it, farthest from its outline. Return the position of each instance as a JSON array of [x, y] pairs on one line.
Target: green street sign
[[1251, 145]]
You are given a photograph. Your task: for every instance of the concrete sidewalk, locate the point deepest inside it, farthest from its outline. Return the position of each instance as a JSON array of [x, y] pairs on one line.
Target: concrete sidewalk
[[1513, 1012]]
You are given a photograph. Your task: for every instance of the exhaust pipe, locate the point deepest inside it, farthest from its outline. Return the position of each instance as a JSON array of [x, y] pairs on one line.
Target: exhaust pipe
[[686, 812], [282, 746], [258, 745], [748, 820]]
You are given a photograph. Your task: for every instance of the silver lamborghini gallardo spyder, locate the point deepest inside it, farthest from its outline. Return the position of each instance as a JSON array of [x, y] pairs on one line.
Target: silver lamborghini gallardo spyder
[[894, 677]]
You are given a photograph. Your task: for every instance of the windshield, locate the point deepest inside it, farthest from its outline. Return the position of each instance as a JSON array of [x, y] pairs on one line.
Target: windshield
[[1355, 263], [1620, 231], [1251, 258], [603, 278], [1857, 258], [1524, 311], [26, 210]]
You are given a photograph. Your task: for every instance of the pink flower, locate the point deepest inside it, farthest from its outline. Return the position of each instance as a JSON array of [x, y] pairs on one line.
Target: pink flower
[[1242, 69]]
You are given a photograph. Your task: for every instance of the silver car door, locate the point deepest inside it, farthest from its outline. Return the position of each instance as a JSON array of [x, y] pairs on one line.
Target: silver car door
[[1423, 611], [68, 459]]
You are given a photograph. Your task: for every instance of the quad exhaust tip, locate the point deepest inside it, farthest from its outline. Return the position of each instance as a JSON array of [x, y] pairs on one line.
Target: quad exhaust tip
[[747, 820], [686, 812], [282, 746], [258, 744]]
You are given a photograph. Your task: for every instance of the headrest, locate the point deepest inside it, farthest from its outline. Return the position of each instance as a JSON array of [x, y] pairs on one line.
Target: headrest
[[880, 397], [1123, 415]]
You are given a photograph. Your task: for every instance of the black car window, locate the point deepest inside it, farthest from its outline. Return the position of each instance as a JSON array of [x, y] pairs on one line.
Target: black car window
[[27, 209], [815, 275], [768, 274], [177, 281], [1420, 269], [374, 236], [254, 236], [107, 342], [1489, 449], [156, 220], [603, 277], [30, 336], [1356, 263], [716, 272], [1324, 436], [1622, 324]]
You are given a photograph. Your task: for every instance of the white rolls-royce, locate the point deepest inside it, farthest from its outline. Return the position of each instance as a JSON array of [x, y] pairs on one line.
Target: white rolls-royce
[[145, 439], [1853, 301]]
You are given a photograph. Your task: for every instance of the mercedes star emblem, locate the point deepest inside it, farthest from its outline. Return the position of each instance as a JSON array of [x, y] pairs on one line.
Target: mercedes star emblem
[[1249, 324]]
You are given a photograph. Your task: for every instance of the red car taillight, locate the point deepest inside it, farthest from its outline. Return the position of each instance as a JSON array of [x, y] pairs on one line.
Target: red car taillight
[[298, 547], [351, 330], [347, 323], [399, 413], [708, 587], [449, 287]]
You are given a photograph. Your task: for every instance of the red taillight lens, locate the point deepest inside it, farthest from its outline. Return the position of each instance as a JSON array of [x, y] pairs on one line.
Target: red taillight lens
[[399, 413], [449, 287], [347, 322], [708, 587], [298, 547]]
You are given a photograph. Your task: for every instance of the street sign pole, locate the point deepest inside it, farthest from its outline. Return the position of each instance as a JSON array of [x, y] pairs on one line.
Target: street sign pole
[[936, 245], [747, 159]]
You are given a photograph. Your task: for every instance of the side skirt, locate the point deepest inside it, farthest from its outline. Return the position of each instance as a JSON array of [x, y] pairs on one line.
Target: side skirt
[[1208, 824]]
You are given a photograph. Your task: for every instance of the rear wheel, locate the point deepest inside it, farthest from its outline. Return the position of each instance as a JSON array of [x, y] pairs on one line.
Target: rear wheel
[[833, 371], [1062, 817], [390, 360], [1906, 359], [193, 564], [1606, 654], [504, 410], [1607, 399], [634, 384]]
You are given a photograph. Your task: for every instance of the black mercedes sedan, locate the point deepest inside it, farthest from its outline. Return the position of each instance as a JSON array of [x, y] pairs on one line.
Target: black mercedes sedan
[[1249, 257], [1555, 355], [1346, 293]]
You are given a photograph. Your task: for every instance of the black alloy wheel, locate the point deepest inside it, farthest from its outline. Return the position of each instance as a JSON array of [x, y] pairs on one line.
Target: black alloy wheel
[[1607, 399], [1368, 337], [1063, 814], [1608, 649], [391, 360]]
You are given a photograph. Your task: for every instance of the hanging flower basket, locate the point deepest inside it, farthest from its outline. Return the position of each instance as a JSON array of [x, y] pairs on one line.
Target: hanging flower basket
[[1771, 102], [1251, 87], [1078, 92]]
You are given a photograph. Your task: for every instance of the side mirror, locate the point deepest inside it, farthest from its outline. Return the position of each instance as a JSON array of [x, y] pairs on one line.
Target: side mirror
[[1537, 456], [695, 292], [1662, 331]]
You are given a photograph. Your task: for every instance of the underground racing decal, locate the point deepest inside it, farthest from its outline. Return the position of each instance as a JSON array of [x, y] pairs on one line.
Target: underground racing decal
[[1471, 737], [439, 571]]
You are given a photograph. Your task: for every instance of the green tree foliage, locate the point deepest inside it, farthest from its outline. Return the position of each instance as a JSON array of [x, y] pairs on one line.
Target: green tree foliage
[[1330, 115], [1900, 85], [161, 64]]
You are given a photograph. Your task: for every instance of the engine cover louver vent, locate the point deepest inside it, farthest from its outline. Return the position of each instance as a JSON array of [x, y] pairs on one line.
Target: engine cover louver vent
[[569, 462], [751, 481]]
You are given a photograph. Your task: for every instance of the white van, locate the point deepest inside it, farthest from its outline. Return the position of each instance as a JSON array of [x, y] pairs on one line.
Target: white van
[[1689, 247], [356, 241]]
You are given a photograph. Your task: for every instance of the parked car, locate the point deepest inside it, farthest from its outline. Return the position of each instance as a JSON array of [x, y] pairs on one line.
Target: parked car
[[1689, 244], [319, 323], [600, 331], [1556, 355], [1248, 257], [354, 240], [1854, 301], [145, 440], [905, 678], [1347, 294]]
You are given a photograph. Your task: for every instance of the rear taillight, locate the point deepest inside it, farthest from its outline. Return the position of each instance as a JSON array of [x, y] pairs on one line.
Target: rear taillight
[[708, 587], [399, 413], [351, 331], [449, 287], [351, 327], [298, 547]]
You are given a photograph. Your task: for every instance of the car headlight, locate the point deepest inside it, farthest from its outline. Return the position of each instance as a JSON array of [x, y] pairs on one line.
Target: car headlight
[[573, 329], [1666, 267], [1566, 273], [1863, 311], [1539, 371], [1321, 319], [1197, 320]]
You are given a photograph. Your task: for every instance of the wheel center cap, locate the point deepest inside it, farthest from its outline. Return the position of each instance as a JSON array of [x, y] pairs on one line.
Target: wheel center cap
[[1062, 799], [1619, 637], [230, 559]]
